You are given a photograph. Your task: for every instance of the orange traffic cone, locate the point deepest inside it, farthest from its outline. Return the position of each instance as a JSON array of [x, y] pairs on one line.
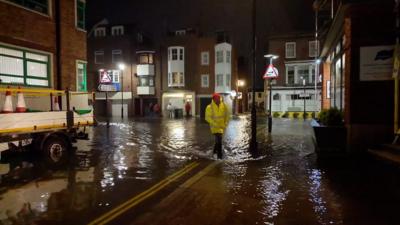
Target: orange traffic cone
[[8, 106], [21, 106], [56, 106]]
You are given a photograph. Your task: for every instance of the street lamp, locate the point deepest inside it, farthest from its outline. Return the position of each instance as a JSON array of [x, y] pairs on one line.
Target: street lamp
[[271, 58], [239, 83], [121, 67]]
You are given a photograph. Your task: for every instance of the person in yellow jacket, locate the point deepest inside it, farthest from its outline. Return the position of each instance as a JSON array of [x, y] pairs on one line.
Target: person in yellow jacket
[[217, 116]]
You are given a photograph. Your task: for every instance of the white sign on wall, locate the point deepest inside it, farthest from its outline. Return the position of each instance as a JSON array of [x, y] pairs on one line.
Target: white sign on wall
[[376, 63]]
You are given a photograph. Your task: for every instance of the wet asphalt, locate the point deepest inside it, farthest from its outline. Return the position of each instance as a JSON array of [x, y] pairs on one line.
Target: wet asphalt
[[284, 182]]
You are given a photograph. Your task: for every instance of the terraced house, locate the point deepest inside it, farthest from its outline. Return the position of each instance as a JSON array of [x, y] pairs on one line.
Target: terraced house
[[43, 44]]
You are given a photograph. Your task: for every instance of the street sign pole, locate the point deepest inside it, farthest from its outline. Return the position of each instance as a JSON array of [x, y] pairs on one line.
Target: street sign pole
[[270, 74]]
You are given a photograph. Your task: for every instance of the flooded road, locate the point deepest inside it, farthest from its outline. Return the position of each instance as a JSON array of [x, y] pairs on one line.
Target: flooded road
[[283, 183]]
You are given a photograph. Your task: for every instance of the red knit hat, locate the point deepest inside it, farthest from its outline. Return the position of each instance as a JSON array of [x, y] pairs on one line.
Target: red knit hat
[[216, 95]]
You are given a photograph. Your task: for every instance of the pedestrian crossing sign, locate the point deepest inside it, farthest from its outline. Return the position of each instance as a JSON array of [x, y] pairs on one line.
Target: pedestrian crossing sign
[[271, 72], [104, 77]]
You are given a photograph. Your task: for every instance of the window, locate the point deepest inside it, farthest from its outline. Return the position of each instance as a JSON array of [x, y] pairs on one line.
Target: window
[[117, 30], [176, 79], [303, 72], [220, 56], [139, 38], [114, 75], [146, 81], [24, 68], [81, 76], [313, 48], [328, 89], [276, 97], [205, 58], [100, 32], [290, 75], [116, 56], [290, 49], [228, 56], [146, 58], [180, 32], [80, 14], [99, 57], [220, 80], [41, 6], [228, 80], [259, 95], [181, 54], [205, 81], [175, 53]]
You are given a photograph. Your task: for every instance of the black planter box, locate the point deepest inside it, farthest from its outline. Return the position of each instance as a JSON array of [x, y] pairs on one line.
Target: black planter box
[[329, 139]]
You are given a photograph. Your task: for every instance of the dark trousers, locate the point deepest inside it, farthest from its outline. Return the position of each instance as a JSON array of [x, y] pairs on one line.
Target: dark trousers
[[218, 145]]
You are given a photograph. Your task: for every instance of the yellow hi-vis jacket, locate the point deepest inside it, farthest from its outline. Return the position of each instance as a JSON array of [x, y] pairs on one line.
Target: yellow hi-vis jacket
[[218, 117]]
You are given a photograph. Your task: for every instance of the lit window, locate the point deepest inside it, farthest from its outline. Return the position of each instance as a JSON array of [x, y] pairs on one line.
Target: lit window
[[146, 58], [24, 68], [176, 79], [80, 14], [205, 58], [290, 75], [117, 30], [99, 57], [146, 81], [81, 76], [205, 81], [290, 49], [180, 32], [116, 56]]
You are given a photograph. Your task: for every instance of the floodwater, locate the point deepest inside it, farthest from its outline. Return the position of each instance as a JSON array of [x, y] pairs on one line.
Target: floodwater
[[283, 183]]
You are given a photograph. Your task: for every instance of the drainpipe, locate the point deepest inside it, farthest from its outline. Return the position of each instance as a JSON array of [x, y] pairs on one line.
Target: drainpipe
[[58, 44]]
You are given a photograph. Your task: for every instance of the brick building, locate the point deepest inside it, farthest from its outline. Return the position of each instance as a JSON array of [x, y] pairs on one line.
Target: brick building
[[43, 44], [357, 55], [137, 86], [194, 67], [297, 73]]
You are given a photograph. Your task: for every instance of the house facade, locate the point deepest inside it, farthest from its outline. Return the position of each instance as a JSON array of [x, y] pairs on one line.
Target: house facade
[[122, 69], [298, 78], [194, 68], [43, 44], [357, 57]]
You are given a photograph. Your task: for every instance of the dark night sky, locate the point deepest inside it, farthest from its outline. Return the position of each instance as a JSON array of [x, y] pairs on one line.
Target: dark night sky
[[156, 16]]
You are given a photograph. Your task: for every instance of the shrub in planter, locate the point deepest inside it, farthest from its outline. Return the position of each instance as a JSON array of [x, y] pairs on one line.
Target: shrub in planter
[[331, 136], [285, 115], [331, 117], [296, 115], [276, 114]]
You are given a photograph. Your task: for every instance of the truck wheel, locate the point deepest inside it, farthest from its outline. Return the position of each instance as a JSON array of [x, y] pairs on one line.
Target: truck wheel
[[56, 150]]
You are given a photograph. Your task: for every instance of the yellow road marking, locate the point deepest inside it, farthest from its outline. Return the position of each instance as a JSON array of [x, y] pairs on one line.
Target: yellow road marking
[[200, 174], [110, 215]]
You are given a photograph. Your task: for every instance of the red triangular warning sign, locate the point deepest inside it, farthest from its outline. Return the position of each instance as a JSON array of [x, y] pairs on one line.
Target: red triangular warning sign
[[105, 77]]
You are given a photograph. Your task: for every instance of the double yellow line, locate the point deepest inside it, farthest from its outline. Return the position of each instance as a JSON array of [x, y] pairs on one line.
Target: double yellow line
[[117, 211]]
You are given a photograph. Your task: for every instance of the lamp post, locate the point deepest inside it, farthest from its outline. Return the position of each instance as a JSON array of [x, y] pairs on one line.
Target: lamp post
[[121, 67], [317, 63], [240, 83], [253, 140], [304, 97], [271, 58]]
